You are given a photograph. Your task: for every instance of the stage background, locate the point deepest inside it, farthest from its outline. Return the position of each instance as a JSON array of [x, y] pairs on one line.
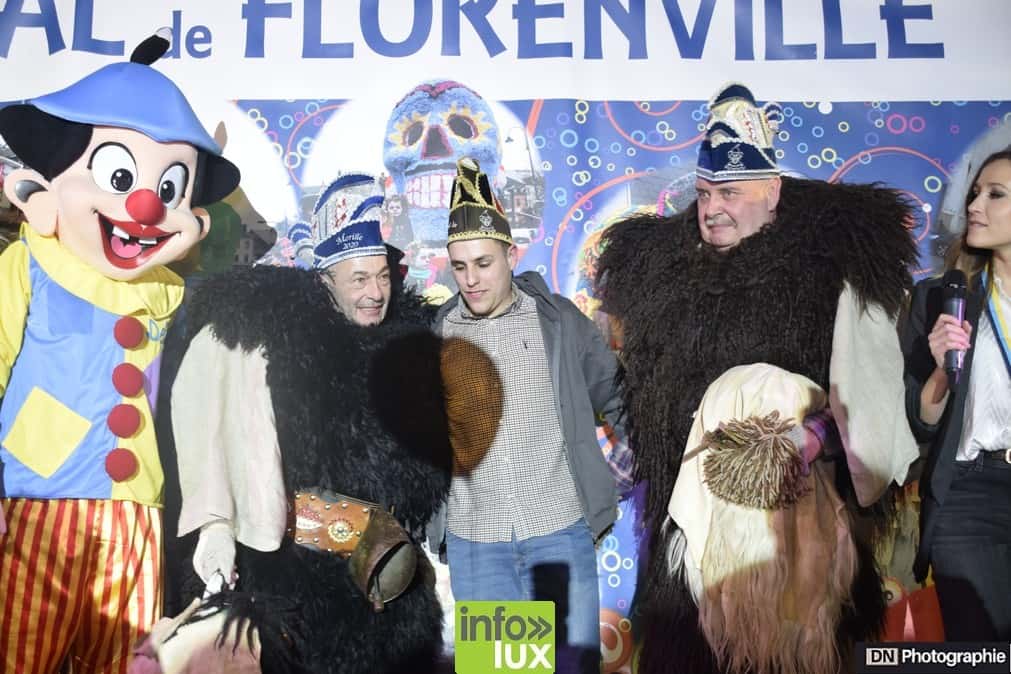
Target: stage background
[[582, 112]]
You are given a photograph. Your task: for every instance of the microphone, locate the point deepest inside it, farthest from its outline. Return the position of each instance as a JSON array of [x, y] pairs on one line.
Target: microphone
[[953, 304]]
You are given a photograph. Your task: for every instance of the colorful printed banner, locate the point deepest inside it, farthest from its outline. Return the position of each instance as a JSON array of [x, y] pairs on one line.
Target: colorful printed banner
[[839, 50], [581, 112]]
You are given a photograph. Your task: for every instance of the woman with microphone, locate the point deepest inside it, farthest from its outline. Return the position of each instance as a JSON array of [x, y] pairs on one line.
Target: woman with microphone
[[958, 399]]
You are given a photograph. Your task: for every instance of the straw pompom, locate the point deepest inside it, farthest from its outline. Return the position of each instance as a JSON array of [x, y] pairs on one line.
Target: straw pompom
[[753, 463]]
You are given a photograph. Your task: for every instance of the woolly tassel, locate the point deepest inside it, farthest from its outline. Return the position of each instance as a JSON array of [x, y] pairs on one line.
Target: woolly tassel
[[753, 463]]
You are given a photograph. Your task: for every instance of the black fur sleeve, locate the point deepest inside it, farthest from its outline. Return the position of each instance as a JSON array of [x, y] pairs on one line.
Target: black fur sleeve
[[863, 229]]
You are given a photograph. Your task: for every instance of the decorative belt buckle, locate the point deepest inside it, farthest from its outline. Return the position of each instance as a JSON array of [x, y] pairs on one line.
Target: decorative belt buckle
[[328, 521], [1007, 455]]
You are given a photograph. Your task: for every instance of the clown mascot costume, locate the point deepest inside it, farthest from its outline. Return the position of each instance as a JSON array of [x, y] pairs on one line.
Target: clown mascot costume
[[116, 166]]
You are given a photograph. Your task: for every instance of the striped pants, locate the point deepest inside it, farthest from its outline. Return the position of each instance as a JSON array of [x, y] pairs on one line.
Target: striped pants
[[79, 583]]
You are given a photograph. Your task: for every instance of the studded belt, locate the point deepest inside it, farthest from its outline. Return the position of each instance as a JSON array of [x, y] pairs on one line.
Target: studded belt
[[381, 558], [329, 521]]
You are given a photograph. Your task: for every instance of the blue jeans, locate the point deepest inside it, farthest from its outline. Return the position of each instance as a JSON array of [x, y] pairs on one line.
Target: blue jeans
[[559, 567]]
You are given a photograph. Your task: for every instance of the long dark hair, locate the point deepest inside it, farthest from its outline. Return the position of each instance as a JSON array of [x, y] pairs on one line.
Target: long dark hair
[[960, 254]]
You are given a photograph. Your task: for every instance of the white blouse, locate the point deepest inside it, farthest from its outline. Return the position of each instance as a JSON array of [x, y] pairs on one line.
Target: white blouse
[[987, 419]]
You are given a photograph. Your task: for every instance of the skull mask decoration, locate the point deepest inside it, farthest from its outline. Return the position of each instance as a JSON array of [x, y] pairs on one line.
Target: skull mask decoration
[[435, 124]]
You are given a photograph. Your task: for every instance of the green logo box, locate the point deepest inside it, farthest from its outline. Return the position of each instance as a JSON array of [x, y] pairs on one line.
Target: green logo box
[[505, 636]]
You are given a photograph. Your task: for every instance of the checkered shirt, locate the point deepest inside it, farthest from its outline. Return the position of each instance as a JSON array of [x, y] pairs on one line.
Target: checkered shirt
[[523, 484]]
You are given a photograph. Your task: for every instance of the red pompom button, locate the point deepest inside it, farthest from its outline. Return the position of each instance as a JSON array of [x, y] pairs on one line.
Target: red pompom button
[[121, 464], [124, 420], [128, 379], [129, 332]]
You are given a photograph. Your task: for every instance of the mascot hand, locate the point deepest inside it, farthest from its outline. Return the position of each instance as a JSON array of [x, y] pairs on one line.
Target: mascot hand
[[215, 552]]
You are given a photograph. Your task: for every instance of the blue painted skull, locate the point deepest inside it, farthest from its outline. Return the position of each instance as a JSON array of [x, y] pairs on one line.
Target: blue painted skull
[[435, 124]]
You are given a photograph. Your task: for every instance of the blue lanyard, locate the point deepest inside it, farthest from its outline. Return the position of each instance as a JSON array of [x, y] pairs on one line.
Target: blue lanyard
[[998, 322]]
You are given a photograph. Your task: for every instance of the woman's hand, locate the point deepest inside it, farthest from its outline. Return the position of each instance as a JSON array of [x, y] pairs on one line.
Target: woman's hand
[[947, 335]]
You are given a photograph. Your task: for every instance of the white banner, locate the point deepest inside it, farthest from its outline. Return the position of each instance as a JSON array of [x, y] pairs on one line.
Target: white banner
[[814, 50]]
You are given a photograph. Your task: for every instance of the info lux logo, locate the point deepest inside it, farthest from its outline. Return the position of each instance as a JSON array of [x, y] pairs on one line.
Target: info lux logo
[[502, 636]]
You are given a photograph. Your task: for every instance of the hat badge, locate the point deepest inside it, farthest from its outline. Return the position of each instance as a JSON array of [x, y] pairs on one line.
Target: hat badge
[[486, 222], [735, 154]]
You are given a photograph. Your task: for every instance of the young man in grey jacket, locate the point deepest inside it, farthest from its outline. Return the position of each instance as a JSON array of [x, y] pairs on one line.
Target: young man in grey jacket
[[526, 507]]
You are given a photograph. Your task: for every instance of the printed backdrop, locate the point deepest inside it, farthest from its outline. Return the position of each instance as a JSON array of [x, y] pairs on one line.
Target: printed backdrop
[[581, 112], [567, 168]]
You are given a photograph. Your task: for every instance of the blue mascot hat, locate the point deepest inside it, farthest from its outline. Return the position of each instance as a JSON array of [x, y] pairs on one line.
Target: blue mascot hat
[[345, 220], [50, 132], [130, 96], [738, 137]]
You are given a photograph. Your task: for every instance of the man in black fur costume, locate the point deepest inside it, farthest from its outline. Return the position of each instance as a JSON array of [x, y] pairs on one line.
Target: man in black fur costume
[[771, 301], [312, 445]]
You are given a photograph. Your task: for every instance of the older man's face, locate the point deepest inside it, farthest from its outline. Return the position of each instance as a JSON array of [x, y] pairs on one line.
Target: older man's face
[[731, 211], [361, 288]]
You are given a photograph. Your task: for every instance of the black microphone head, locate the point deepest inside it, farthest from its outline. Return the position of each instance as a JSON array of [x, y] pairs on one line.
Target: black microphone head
[[954, 283]]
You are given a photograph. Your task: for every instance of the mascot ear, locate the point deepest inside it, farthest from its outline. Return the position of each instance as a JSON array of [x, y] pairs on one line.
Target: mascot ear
[[221, 135], [204, 218], [30, 192]]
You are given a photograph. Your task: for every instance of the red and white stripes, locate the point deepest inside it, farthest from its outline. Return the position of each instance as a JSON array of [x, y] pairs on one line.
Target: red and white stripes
[[78, 579]]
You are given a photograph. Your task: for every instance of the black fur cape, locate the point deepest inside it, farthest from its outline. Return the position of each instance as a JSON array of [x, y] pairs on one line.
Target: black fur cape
[[688, 313], [358, 411]]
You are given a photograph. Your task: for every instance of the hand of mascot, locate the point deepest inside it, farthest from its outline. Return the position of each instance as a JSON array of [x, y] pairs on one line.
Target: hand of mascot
[[215, 553]]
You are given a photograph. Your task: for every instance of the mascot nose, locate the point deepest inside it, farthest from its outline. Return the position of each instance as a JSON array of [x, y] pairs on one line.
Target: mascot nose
[[145, 207]]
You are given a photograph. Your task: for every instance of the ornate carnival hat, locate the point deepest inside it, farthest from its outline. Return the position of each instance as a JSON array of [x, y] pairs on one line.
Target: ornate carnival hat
[[120, 95], [738, 143], [474, 212], [345, 220]]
